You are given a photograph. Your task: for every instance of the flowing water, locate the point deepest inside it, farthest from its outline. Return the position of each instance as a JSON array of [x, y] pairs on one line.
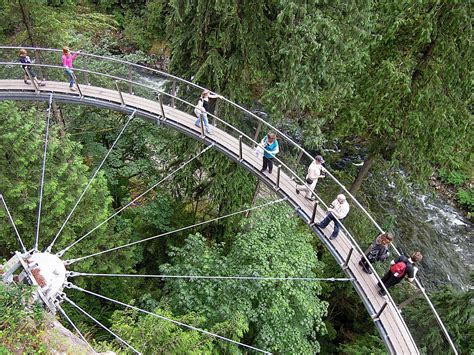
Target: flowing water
[[429, 224]]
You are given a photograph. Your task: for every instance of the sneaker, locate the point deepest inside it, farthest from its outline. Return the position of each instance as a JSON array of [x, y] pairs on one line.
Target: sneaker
[[72, 88], [297, 191], [42, 83], [262, 170], [270, 172], [310, 198], [209, 132], [382, 292], [332, 237], [27, 82]]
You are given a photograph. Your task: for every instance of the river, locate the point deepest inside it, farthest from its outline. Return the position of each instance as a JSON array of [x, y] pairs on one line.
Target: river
[[426, 222]]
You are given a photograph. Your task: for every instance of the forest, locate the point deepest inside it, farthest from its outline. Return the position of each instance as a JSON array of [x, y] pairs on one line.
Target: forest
[[381, 89]]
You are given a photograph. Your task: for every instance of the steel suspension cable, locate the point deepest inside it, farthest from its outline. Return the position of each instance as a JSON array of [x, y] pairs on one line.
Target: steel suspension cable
[[71, 261], [70, 285], [13, 223], [75, 328], [100, 324], [61, 253], [43, 170], [91, 179], [214, 277]]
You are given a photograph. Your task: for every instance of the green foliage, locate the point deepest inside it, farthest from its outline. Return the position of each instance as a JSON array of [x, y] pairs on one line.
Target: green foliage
[[456, 311], [282, 316], [456, 178], [21, 322], [368, 344], [411, 104], [151, 335], [466, 198]]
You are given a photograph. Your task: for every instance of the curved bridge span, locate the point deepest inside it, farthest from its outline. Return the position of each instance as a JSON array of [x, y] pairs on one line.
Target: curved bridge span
[[170, 105]]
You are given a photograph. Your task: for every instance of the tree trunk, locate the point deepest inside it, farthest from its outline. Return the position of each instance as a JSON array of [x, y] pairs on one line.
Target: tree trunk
[[58, 117], [364, 170], [29, 30], [254, 199]]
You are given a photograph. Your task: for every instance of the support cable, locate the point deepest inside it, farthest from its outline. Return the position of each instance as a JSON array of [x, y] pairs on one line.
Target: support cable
[[100, 324], [43, 170], [75, 328], [70, 285], [13, 223], [214, 277], [61, 253], [90, 180], [71, 261]]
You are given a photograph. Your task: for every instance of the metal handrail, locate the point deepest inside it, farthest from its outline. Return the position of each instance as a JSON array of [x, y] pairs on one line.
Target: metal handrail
[[259, 119]]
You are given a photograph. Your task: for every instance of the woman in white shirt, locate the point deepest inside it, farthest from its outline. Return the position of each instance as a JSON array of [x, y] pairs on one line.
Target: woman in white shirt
[[315, 171]]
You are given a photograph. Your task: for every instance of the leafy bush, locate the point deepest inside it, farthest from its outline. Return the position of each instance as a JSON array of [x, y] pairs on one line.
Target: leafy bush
[[466, 198], [456, 178]]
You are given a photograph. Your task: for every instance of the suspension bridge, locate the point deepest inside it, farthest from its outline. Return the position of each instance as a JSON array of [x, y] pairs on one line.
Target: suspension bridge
[[236, 131]]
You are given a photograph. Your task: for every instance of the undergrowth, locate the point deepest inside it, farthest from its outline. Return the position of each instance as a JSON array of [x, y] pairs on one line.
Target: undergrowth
[[21, 322]]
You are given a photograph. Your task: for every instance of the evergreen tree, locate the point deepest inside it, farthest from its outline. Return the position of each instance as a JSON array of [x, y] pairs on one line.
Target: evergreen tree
[[282, 316], [411, 105]]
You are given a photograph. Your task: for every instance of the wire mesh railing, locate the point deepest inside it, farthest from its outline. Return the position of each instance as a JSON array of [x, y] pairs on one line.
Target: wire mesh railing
[[238, 121]]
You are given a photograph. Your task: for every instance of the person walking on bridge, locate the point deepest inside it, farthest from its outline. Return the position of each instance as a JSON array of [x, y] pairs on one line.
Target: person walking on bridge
[[67, 59], [337, 211], [400, 267], [202, 109], [270, 147], [315, 171], [378, 251], [25, 59]]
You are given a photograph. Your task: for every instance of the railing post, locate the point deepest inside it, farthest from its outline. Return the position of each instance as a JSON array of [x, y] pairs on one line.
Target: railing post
[[346, 263], [313, 216], [240, 149], [160, 98], [257, 132], [33, 82], [277, 186], [130, 91], [173, 93], [379, 313], [120, 92]]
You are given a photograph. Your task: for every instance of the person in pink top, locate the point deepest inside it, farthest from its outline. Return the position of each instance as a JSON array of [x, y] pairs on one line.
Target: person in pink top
[[68, 58]]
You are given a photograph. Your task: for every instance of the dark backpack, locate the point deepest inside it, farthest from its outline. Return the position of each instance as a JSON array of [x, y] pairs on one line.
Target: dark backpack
[[398, 269]]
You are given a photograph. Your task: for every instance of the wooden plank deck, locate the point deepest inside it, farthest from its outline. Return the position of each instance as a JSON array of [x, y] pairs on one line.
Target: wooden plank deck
[[390, 324]]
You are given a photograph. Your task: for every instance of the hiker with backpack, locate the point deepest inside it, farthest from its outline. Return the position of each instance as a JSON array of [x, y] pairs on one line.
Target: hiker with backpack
[[378, 251], [202, 109], [400, 267]]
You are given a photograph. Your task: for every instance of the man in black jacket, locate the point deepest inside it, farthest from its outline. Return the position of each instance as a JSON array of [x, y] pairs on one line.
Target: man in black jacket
[[401, 267]]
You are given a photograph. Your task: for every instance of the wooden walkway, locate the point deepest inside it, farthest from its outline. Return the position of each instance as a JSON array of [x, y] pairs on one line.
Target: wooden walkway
[[390, 324]]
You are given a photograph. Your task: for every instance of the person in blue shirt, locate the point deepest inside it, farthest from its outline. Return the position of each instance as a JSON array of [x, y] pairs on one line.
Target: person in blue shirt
[[270, 149]]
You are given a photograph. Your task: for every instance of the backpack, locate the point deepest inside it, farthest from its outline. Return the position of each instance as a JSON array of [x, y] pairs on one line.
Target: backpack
[[398, 269]]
